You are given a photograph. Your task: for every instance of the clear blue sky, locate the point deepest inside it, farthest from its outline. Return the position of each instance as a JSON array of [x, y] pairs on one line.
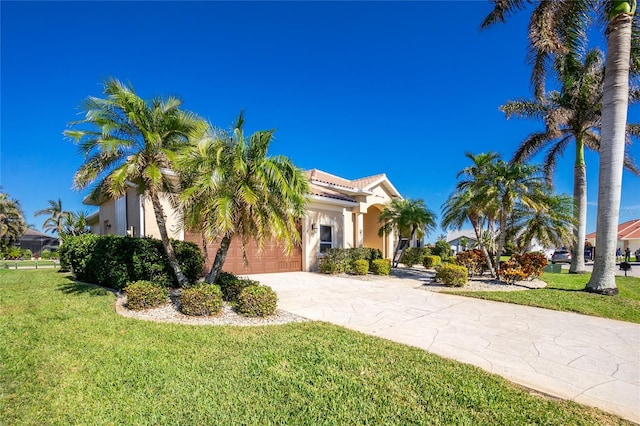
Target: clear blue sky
[[354, 89]]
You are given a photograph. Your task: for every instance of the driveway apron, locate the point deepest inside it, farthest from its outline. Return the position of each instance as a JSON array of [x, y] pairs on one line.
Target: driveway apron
[[592, 361]]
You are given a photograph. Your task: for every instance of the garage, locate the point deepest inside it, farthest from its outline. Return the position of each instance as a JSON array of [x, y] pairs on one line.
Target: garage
[[271, 259]]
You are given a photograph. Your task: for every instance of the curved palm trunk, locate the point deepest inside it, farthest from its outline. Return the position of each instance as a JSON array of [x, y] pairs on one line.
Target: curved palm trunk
[[221, 256], [164, 236], [484, 250], [501, 238], [579, 211], [614, 119]]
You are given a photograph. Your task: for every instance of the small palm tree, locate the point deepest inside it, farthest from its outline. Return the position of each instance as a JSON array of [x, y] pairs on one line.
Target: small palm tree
[[55, 222], [75, 223], [133, 140], [409, 218], [231, 188]]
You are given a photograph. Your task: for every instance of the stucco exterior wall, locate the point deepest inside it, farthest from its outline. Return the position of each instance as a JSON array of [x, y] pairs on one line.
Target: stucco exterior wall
[[174, 228], [107, 220], [323, 214], [133, 212]]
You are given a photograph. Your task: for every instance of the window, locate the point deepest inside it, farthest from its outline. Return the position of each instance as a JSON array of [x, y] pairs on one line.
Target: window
[[325, 238]]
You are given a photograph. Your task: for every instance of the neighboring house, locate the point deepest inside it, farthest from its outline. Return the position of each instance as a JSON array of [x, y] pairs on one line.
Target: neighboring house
[[341, 213], [457, 238], [37, 241], [628, 236]]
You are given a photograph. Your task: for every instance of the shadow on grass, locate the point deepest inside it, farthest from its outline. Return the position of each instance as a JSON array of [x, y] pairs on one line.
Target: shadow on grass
[[75, 287]]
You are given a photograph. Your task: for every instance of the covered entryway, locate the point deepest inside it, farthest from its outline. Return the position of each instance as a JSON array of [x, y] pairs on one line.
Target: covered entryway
[[271, 259]]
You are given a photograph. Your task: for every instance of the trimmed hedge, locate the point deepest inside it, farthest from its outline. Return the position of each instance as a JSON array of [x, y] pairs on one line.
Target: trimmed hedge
[[232, 286], [414, 256], [203, 299], [113, 260], [381, 267], [431, 261], [145, 295], [452, 275], [257, 301], [361, 267], [338, 260]]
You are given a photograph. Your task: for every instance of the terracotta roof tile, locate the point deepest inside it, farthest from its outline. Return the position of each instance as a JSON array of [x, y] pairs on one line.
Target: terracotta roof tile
[[325, 192], [626, 230]]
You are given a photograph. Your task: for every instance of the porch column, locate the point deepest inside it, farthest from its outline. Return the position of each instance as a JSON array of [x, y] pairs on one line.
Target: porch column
[[359, 230]]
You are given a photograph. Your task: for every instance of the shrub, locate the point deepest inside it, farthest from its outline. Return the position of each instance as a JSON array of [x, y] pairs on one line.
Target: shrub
[[113, 261], [361, 267], [203, 299], [381, 266], [473, 260], [231, 286], [442, 249], [511, 271], [532, 264], [144, 295], [46, 254], [414, 255], [27, 254], [452, 275], [335, 261], [257, 301], [431, 261]]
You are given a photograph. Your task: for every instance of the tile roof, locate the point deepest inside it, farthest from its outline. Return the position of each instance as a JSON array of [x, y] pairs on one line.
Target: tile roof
[[325, 192], [626, 231]]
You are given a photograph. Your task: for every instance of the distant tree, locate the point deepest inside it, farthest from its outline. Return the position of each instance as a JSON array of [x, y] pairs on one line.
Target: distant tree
[[55, 222], [232, 188], [12, 225], [75, 223], [133, 140]]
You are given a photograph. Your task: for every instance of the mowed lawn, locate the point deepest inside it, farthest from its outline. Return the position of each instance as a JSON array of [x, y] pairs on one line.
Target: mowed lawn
[[67, 358], [565, 292]]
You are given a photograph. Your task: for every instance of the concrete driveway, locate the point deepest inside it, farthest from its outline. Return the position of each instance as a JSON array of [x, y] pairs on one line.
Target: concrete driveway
[[593, 361]]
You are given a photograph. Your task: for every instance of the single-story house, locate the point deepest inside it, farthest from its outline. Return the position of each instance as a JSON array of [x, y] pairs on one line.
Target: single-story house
[[461, 240], [628, 236], [37, 241], [341, 213]]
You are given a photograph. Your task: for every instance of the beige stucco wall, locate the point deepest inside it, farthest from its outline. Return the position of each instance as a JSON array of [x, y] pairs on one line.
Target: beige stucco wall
[[107, 217], [328, 215], [133, 212], [172, 219], [371, 227]]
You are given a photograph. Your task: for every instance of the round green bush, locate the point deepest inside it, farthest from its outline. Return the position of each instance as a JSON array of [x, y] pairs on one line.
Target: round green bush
[[257, 301], [203, 299], [453, 275], [361, 267], [431, 261], [144, 295], [231, 286], [381, 267]]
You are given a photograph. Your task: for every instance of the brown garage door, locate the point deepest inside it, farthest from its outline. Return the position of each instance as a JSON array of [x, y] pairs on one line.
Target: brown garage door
[[271, 259]]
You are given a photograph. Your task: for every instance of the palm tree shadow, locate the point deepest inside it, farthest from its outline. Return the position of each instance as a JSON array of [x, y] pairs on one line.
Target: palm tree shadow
[[78, 288]]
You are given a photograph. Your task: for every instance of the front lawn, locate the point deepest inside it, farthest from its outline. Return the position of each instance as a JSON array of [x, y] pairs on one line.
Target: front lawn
[[68, 358], [564, 292]]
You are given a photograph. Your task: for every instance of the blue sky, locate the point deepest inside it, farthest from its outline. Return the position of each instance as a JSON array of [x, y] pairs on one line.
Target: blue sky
[[354, 89]]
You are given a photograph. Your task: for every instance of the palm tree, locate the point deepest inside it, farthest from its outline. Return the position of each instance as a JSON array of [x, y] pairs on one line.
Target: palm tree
[[133, 140], [75, 223], [408, 217], [560, 27], [231, 188], [12, 224], [55, 222], [573, 114], [550, 224]]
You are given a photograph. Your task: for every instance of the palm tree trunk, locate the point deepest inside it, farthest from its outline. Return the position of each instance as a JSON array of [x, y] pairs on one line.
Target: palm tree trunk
[[501, 238], [221, 256], [614, 119], [164, 236], [484, 250], [579, 211]]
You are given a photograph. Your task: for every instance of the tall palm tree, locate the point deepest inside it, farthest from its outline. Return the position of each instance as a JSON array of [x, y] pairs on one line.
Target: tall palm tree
[[133, 140], [232, 188], [55, 222], [560, 27], [12, 224], [408, 217], [573, 114]]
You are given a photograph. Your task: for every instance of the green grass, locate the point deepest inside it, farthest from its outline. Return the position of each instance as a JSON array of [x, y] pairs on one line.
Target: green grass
[[68, 358], [564, 292]]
